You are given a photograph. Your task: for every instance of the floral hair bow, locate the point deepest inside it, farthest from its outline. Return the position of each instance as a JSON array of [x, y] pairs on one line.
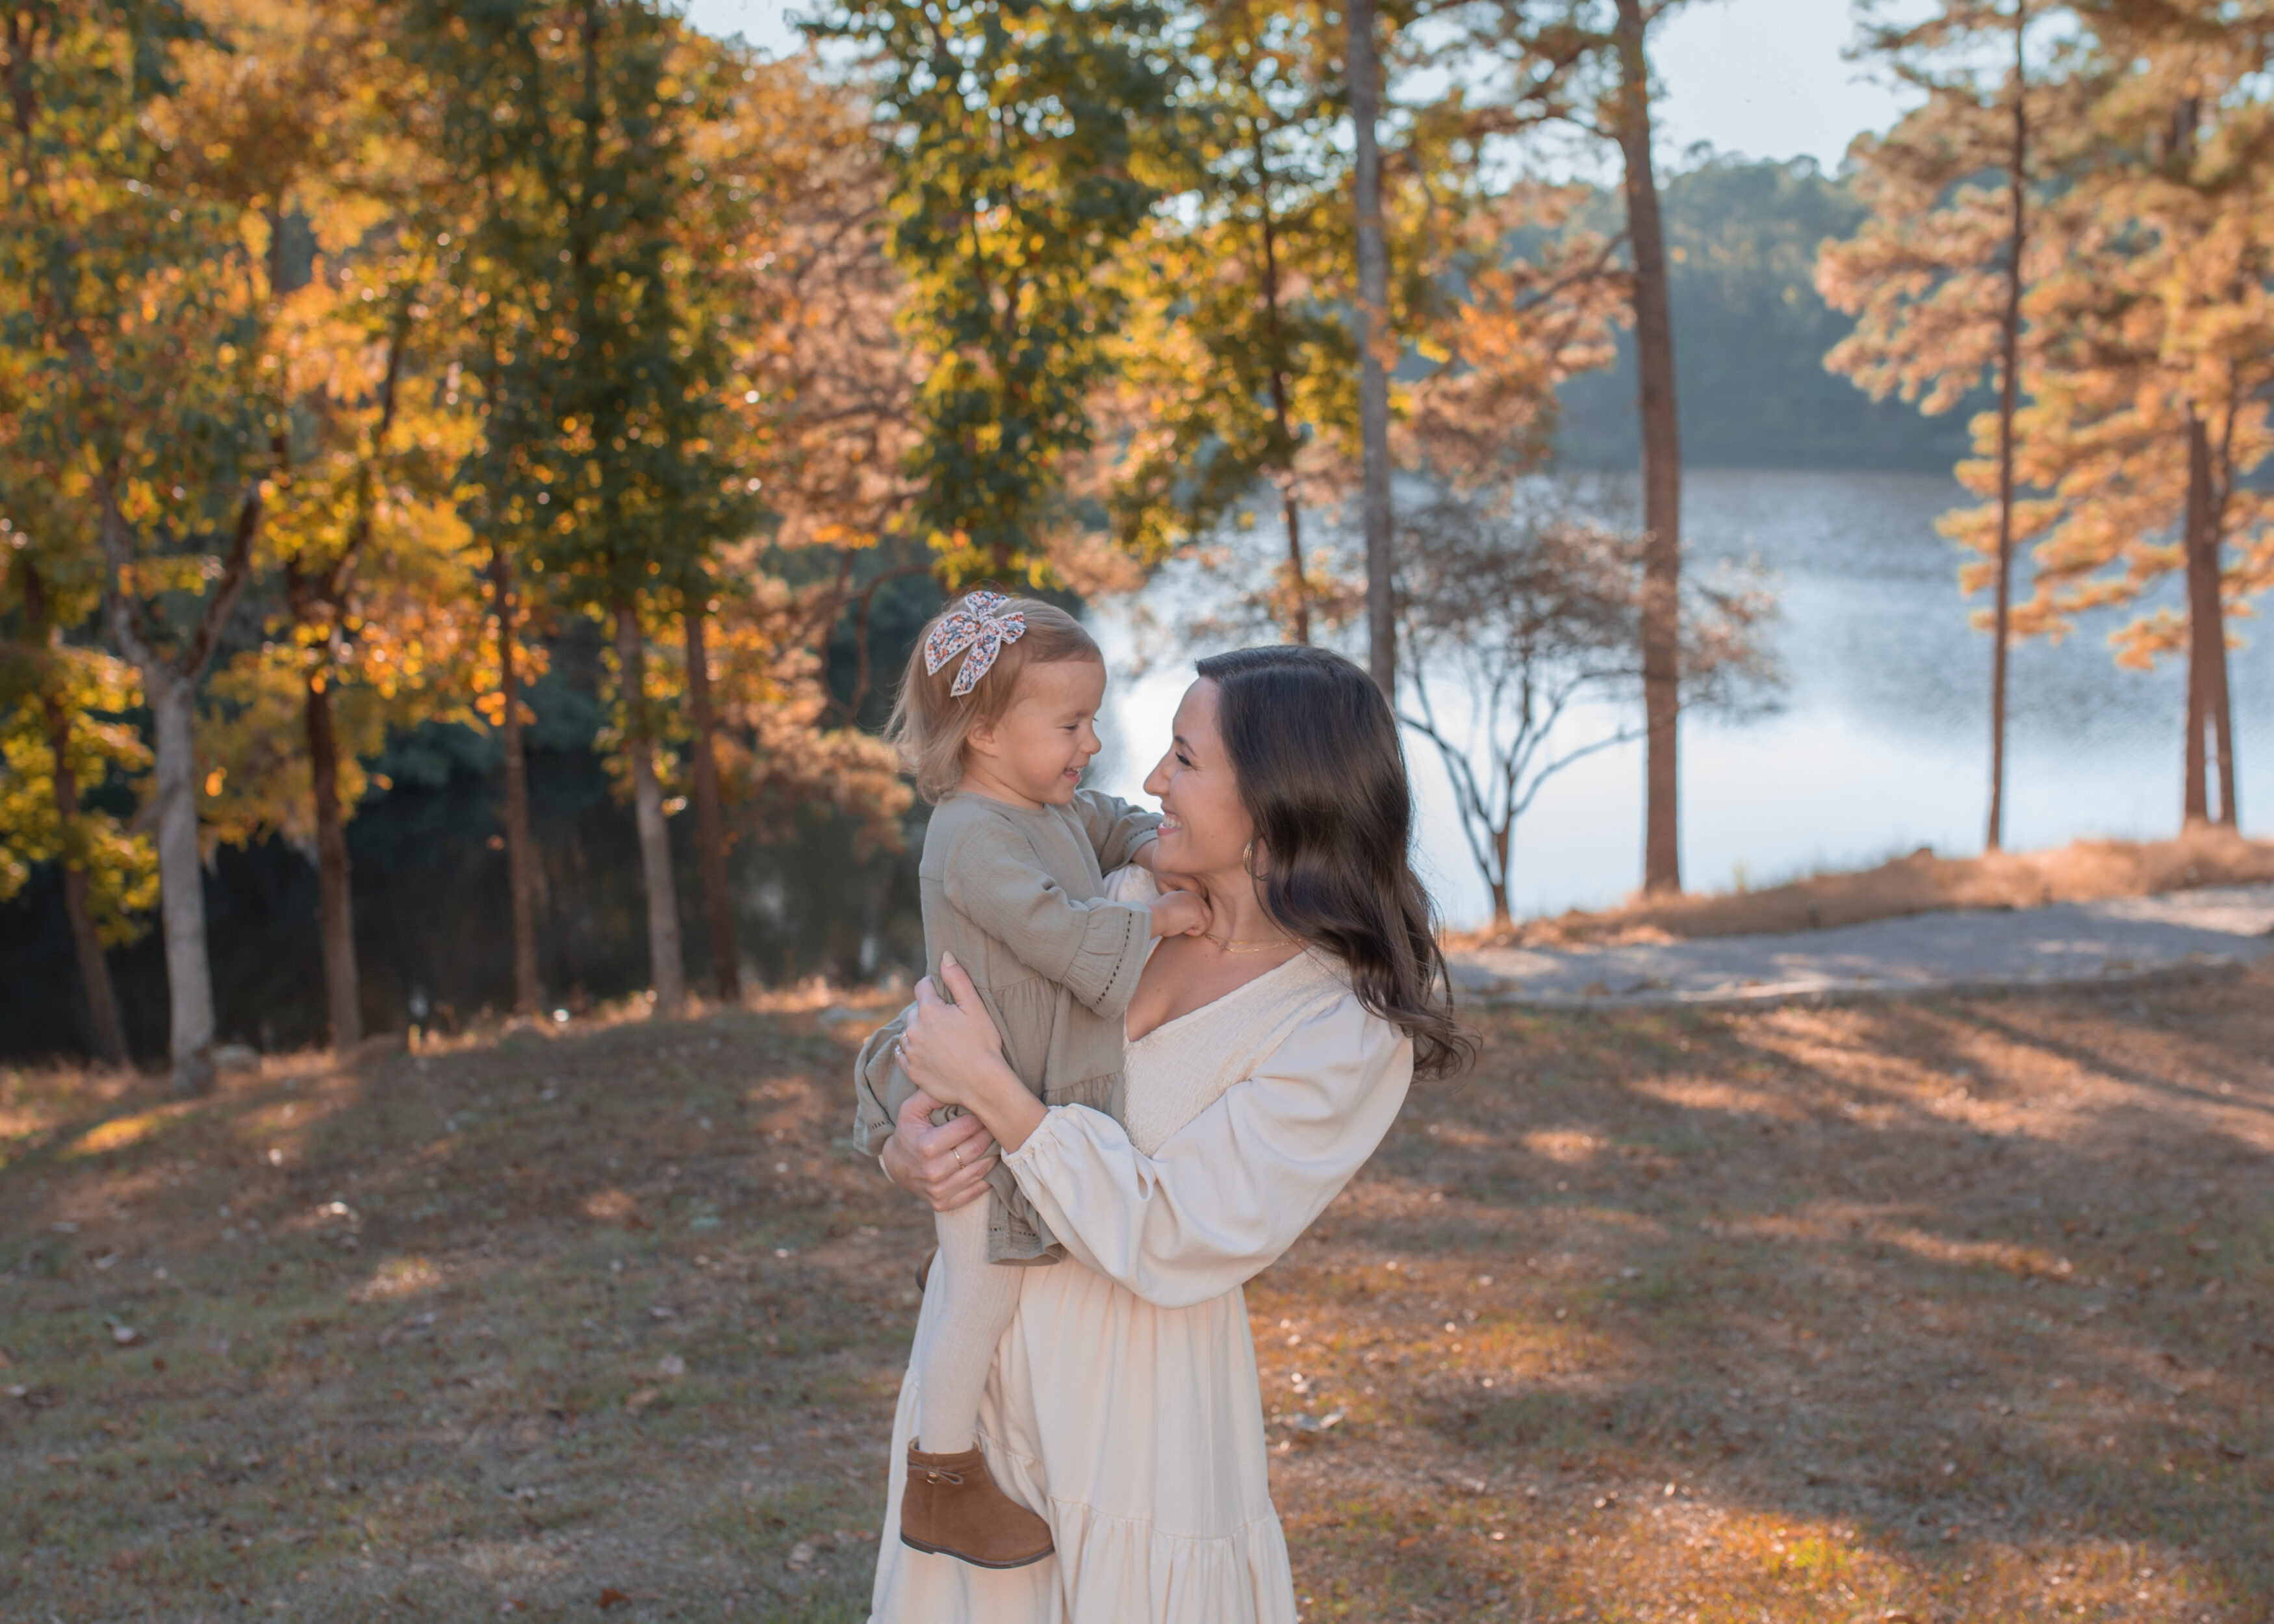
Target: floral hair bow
[[979, 624]]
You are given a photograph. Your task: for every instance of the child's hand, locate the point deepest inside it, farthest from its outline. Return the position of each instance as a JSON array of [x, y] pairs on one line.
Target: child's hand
[[1180, 914]]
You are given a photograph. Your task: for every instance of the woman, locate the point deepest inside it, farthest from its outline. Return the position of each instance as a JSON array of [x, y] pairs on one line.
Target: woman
[[1266, 1060]]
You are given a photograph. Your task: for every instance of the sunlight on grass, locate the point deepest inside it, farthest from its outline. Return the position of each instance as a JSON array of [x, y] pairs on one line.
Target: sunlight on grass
[[1616, 1331]]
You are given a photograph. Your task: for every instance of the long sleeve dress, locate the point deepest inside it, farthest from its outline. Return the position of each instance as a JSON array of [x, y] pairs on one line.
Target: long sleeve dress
[[1124, 1405]]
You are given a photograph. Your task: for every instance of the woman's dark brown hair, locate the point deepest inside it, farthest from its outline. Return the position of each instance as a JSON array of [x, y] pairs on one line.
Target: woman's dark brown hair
[[1321, 774]]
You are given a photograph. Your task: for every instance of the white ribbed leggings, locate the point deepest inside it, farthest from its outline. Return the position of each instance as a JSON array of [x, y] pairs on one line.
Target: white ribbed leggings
[[976, 1301]]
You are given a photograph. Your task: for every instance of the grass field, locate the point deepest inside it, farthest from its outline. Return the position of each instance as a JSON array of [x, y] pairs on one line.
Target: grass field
[[1949, 1311]]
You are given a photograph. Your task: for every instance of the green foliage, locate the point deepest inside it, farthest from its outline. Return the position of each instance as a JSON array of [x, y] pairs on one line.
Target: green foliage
[[603, 340], [1238, 346], [1028, 155]]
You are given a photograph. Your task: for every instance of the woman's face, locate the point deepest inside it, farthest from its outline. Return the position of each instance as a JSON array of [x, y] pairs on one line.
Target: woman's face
[[1205, 827]]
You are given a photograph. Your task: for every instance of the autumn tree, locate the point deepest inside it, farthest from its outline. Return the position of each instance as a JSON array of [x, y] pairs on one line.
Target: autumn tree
[[1941, 271], [2151, 413], [1234, 367], [1022, 136], [365, 562], [140, 302], [610, 425], [66, 733]]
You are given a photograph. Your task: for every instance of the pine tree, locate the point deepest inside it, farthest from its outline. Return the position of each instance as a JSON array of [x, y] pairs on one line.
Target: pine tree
[[2151, 412], [1962, 228]]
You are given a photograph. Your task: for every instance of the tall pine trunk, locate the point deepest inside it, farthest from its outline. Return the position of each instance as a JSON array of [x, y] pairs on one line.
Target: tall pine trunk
[[1373, 342], [710, 831], [2210, 724], [335, 896], [647, 808], [106, 1034], [171, 697], [1661, 467], [1299, 586], [520, 857], [2009, 394]]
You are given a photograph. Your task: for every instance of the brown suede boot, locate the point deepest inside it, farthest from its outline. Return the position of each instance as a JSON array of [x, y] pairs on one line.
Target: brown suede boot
[[951, 1507]]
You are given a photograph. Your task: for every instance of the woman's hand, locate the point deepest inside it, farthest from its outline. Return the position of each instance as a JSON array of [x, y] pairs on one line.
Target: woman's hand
[[950, 1050], [947, 1166]]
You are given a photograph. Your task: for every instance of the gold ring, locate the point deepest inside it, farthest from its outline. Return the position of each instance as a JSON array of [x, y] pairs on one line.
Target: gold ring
[[958, 1156]]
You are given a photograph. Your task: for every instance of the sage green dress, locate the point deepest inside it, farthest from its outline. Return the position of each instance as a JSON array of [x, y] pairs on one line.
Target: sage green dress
[[1017, 897]]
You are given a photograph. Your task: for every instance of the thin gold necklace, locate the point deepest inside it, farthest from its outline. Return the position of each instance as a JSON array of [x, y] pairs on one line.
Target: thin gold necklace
[[1258, 945]]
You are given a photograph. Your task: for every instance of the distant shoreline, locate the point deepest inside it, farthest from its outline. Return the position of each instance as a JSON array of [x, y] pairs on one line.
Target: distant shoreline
[[2081, 871]]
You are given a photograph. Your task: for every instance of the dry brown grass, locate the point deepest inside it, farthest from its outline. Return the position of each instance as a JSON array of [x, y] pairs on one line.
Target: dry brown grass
[[2083, 871], [1954, 1309]]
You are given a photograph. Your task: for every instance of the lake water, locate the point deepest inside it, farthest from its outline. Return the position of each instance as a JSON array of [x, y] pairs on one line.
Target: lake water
[[1882, 741]]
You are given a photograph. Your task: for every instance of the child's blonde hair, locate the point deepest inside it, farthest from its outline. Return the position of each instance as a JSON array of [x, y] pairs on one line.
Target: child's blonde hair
[[929, 725]]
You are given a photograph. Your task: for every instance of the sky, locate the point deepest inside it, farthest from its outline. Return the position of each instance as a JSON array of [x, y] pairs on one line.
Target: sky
[[1762, 78]]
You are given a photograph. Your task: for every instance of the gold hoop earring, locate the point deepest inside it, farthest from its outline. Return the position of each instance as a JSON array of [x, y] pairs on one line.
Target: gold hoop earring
[[1248, 861]]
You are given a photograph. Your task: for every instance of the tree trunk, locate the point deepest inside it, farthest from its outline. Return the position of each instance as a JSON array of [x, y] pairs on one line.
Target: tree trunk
[[709, 832], [1374, 341], [106, 1035], [2210, 739], [1662, 467], [335, 898], [521, 859], [181, 877], [647, 807], [2009, 394], [169, 688], [1299, 586]]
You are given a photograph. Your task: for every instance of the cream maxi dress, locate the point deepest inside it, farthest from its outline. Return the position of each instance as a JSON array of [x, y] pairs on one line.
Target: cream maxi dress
[[1124, 1405]]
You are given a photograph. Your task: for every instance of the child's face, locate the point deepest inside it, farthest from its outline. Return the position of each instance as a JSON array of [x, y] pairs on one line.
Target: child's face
[[1037, 749]]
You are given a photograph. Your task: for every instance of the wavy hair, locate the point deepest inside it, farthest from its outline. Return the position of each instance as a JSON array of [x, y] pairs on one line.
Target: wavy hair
[[1320, 771]]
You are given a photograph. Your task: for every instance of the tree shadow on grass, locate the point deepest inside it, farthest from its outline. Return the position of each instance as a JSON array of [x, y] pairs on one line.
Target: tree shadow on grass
[[1965, 1291]]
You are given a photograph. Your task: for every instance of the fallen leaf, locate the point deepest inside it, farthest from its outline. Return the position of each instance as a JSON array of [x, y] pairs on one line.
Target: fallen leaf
[[664, 1312], [801, 1555], [612, 1597], [124, 1335], [642, 1399], [1408, 1541], [671, 1364]]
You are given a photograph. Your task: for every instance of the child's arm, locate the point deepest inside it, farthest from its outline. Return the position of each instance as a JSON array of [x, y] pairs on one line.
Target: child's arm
[[1096, 949], [1118, 833]]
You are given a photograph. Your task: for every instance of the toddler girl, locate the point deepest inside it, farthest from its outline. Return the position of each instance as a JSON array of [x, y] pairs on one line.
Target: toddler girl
[[995, 723]]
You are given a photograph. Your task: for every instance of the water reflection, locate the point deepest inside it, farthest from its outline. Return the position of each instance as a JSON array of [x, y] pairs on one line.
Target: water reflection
[[1882, 742]]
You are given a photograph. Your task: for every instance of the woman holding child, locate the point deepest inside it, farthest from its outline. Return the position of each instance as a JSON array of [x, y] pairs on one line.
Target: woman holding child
[[1158, 1088]]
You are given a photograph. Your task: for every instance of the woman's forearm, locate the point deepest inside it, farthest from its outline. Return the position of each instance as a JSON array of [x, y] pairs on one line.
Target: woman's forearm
[[1003, 1106]]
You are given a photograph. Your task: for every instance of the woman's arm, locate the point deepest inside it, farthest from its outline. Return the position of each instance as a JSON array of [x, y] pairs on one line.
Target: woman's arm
[[1237, 1185], [1227, 1194]]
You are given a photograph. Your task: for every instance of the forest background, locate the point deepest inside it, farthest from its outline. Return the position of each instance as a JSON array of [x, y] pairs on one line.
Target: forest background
[[374, 365]]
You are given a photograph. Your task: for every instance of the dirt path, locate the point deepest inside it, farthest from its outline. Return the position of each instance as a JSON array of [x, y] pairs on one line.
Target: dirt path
[[2114, 940]]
